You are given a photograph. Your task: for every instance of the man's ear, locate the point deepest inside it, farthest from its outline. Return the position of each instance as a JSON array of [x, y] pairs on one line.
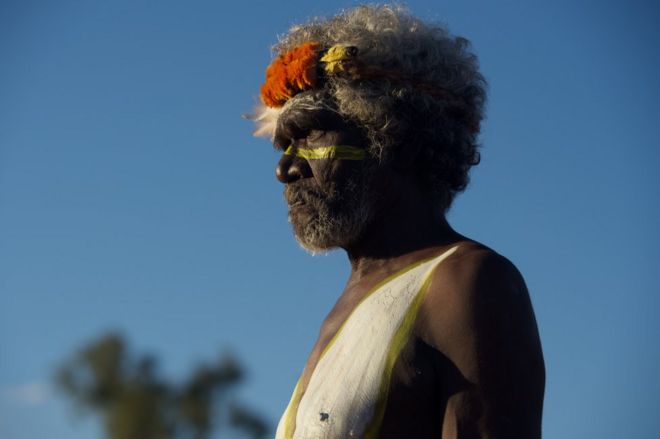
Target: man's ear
[[406, 155]]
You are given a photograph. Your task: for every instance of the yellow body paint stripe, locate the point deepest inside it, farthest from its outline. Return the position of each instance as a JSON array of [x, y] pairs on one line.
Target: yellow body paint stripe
[[297, 394], [397, 344], [291, 410], [340, 152], [373, 290]]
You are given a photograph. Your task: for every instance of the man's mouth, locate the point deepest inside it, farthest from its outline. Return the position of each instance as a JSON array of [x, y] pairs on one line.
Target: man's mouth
[[299, 195], [296, 204]]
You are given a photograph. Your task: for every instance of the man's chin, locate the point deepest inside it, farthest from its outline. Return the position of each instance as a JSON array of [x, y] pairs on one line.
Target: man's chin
[[321, 225], [311, 235], [320, 234], [314, 248]]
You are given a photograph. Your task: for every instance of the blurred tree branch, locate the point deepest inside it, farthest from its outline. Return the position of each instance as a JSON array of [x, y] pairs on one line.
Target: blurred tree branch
[[135, 403]]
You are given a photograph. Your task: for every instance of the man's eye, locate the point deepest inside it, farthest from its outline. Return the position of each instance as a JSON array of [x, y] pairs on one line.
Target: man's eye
[[281, 142], [315, 135]]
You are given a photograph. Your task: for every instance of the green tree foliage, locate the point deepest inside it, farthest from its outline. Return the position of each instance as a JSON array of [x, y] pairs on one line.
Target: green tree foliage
[[135, 403]]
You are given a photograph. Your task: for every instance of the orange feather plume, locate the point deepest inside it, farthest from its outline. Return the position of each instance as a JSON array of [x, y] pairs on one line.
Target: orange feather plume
[[289, 74]]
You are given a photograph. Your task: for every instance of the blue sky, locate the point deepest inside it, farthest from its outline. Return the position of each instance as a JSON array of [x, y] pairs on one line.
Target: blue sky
[[133, 197]]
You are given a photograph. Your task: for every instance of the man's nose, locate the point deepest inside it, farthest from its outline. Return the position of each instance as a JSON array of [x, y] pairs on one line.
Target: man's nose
[[291, 168]]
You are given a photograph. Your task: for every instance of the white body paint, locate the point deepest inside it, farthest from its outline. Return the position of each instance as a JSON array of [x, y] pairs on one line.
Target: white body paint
[[345, 387]]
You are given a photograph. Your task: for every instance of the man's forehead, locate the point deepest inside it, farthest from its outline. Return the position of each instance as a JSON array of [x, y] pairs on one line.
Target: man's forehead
[[311, 118], [310, 101], [314, 111]]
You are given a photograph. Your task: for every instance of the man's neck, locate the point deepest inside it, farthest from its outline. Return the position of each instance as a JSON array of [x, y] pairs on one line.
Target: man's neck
[[403, 229]]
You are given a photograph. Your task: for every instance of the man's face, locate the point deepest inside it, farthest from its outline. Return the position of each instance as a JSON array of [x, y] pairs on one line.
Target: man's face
[[331, 201]]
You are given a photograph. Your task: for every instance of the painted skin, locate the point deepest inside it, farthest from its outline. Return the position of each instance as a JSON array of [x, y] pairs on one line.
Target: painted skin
[[473, 366], [351, 379]]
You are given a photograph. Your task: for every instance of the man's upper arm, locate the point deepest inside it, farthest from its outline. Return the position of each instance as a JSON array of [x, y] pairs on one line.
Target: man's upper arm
[[480, 317]]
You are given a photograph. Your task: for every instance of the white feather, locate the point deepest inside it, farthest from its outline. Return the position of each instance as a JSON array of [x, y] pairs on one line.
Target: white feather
[[265, 119]]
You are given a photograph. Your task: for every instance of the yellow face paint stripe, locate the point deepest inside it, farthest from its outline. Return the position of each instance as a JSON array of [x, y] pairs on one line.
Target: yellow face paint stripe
[[339, 152]]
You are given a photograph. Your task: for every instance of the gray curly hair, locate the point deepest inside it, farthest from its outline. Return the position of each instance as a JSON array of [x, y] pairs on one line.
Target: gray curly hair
[[397, 114]]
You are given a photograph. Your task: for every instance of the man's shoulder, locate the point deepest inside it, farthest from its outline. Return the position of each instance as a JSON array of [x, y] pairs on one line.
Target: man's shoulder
[[472, 283], [472, 266]]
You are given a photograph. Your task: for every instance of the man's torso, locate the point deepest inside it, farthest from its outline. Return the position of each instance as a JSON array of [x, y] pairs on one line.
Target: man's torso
[[371, 373]]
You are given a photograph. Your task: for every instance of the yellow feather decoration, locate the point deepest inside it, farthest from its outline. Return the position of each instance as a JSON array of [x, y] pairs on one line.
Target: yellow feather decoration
[[336, 56]]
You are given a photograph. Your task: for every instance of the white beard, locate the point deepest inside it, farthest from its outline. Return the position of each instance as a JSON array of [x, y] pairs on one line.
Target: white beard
[[321, 229]]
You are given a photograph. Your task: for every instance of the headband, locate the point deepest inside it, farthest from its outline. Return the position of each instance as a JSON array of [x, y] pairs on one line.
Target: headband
[[308, 64]]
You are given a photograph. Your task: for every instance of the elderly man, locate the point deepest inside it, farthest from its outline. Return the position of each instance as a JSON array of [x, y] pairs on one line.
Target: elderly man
[[377, 115]]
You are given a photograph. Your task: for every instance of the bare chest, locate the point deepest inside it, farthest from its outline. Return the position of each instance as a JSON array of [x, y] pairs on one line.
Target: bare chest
[[365, 366]]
